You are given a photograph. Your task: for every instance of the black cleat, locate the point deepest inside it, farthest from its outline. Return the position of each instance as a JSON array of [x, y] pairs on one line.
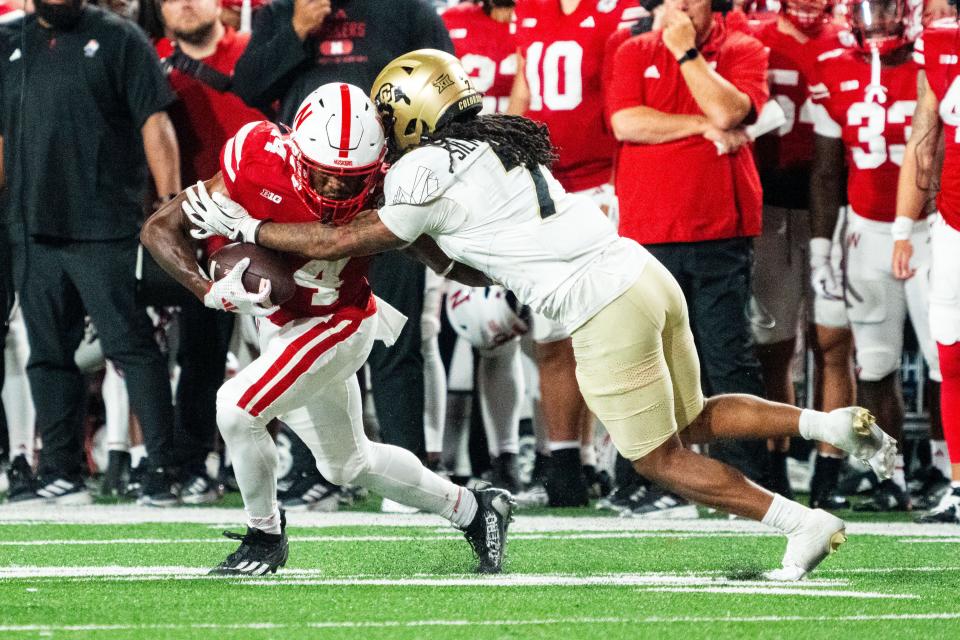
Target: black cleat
[[259, 552], [487, 534], [22, 482], [887, 497]]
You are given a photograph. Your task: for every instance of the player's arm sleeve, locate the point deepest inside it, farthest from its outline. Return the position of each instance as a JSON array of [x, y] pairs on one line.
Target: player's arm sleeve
[[747, 71], [410, 221], [428, 30], [273, 57], [145, 88]]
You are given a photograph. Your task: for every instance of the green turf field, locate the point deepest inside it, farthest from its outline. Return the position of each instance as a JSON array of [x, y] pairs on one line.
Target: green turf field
[[351, 576]]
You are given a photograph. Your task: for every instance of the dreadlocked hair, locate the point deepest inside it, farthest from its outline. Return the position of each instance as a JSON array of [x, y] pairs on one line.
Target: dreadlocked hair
[[516, 140]]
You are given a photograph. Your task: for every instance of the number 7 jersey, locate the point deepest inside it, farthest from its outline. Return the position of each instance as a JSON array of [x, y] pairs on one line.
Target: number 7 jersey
[[937, 52], [871, 110]]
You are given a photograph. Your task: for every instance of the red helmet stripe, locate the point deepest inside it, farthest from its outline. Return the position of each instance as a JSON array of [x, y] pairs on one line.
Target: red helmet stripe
[[345, 123]]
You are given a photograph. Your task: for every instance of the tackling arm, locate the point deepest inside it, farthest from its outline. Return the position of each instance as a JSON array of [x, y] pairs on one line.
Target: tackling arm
[[365, 235], [425, 250], [166, 235]]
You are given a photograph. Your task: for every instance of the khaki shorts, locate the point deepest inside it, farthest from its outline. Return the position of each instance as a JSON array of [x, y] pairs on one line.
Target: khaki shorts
[[637, 364]]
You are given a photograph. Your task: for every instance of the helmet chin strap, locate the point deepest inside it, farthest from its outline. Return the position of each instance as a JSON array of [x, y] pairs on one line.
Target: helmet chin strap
[[876, 92]]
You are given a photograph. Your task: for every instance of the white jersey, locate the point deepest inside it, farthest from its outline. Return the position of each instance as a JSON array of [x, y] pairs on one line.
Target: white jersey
[[556, 251]]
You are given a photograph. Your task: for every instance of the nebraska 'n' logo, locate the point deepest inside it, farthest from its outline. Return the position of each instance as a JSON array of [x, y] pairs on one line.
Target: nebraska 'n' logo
[[458, 297], [853, 240]]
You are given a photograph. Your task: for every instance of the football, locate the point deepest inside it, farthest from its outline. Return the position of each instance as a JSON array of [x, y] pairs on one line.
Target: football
[[265, 265]]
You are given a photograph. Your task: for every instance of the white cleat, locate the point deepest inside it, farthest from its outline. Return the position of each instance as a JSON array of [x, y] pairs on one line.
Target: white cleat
[[819, 536], [855, 431]]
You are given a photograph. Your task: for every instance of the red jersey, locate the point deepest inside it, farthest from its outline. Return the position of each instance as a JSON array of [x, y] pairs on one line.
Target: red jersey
[[486, 49], [937, 52], [259, 175], [784, 156], [563, 59], [203, 117], [872, 118], [683, 191]]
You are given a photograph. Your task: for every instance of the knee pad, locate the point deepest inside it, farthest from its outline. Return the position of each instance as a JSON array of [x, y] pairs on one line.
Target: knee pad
[[876, 363]]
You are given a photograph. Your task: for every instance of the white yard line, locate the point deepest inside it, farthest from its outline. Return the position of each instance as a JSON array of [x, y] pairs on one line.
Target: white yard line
[[789, 591], [132, 514], [922, 540], [907, 617], [452, 536]]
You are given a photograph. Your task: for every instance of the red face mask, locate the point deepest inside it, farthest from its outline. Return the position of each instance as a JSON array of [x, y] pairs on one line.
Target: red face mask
[[878, 25], [809, 16], [358, 186]]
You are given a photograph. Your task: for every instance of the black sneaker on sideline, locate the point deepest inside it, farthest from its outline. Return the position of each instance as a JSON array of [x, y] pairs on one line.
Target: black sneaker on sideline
[[658, 504], [311, 492], [622, 498], [946, 512], [21, 480], [199, 489], [117, 478], [887, 497], [259, 552], [158, 489], [487, 534], [50, 489]]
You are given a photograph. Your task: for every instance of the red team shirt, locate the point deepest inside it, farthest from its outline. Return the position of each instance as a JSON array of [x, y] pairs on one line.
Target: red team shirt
[[936, 51], [258, 174], [486, 49], [724, 201], [784, 156], [874, 123], [563, 57]]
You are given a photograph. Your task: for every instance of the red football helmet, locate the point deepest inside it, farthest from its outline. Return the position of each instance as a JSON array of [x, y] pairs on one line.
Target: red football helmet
[[878, 25], [809, 16], [338, 150]]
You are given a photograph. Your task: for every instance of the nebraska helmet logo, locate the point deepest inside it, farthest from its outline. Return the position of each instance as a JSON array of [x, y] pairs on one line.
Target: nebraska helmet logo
[[271, 196]]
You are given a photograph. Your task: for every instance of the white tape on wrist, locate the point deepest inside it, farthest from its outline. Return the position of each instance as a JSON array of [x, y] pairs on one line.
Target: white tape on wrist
[[901, 228]]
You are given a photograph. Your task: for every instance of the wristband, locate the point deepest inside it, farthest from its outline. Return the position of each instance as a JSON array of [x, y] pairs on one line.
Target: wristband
[[689, 54], [446, 272], [901, 228]]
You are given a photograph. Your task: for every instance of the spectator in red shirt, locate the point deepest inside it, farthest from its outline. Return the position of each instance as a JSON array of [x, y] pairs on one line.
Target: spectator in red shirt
[[676, 97], [200, 60]]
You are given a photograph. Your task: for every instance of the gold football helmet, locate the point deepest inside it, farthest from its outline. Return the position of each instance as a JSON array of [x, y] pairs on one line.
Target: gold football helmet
[[420, 91]]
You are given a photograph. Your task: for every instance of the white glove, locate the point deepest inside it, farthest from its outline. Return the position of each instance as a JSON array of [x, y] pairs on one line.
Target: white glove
[[822, 278], [218, 216], [229, 294]]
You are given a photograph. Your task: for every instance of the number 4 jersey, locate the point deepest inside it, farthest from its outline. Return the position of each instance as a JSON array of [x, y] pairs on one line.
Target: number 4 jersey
[[870, 107], [938, 52], [259, 175]]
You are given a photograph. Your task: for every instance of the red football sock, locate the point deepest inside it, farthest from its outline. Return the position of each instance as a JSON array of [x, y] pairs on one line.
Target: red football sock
[[950, 397]]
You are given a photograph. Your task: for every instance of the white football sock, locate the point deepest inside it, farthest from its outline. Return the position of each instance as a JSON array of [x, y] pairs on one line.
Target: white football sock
[[254, 457], [270, 524], [397, 474], [785, 515], [17, 401], [898, 473], [588, 455], [116, 404], [500, 386], [557, 445], [940, 457]]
